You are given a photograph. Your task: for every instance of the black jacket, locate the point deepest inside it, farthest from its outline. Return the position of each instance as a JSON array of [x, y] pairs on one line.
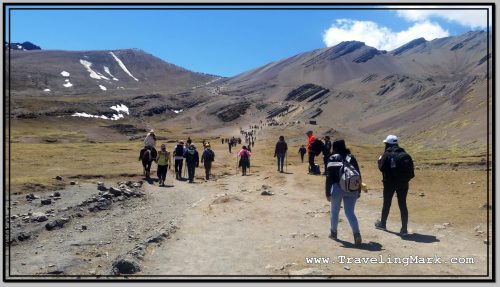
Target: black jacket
[[328, 149], [333, 170], [192, 156], [281, 148]]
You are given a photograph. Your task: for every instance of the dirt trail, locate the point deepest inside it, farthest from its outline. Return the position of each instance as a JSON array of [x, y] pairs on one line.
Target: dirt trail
[[234, 230]]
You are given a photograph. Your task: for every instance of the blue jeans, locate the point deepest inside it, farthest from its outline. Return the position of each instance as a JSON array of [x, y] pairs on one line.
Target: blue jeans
[[191, 169], [337, 196], [281, 160]]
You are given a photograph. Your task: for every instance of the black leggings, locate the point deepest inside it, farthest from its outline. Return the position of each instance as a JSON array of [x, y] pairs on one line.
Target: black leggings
[[178, 167], [401, 189], [311, 160]]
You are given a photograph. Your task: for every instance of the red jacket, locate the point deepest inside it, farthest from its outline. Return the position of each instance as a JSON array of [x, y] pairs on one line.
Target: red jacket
[[309, 142]]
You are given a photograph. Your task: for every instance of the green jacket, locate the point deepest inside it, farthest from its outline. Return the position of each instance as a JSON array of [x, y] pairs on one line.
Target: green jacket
[[163, 158]]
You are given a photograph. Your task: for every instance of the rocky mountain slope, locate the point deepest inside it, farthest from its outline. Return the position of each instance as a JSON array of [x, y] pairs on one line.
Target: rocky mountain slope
[[428, 91]]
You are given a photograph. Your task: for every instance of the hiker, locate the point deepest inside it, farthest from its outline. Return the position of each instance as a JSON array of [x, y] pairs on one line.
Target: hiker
[[222, 140], [302, 151], [150, 143], [327, 152], [192, 161], [310, 140], [179, 159], [397, 170], [230, 145], [280, 152], [244, 162], [163, 160], [188, 142], [207, 158], [335, 193]]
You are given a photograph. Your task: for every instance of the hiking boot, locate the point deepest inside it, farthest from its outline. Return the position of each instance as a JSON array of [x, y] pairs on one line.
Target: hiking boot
[[357, 239], [403, 232], [333, 235], [380, 225]]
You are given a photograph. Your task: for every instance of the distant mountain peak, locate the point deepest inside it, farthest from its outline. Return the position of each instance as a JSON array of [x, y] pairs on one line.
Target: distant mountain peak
[[408, 46], [26, 46]]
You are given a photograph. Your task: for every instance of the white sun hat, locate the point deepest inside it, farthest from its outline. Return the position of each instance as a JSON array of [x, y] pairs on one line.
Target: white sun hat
[[391, 139]]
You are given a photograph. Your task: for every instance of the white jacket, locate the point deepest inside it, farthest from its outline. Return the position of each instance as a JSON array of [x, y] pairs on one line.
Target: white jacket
[[150, 141]]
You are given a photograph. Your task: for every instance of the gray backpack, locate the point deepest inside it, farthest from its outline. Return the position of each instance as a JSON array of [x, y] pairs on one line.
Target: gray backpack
[[350, 179]]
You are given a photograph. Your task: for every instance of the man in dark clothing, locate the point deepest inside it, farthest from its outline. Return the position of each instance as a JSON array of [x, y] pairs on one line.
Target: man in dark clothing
[[207, 158], [280, 152], [397, 171], [230, 145], [192, 161], [327, 152], [302, 151], [178, 159]]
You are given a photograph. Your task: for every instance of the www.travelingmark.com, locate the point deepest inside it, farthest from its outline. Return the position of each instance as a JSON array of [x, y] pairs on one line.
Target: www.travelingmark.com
[[381, 259]]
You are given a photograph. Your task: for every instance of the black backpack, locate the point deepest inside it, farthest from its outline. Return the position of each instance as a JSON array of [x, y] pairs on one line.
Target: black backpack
[[317, 146], [179, 150], [399, 165], [209, 156]]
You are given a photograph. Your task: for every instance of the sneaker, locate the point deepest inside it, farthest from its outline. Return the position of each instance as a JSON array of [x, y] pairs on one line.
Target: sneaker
[[403, 232], [357, 239], [380, 225], [333, 235]]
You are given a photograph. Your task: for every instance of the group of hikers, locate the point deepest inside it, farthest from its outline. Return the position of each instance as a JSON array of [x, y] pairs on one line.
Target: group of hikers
[[343, 181], [343, 178]]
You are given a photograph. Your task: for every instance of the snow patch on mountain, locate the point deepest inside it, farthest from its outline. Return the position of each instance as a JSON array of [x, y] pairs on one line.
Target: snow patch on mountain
[[106, 69], [122, 66], [67, 84], [65, 74], [87, 65], [102, 87], [120, 108]]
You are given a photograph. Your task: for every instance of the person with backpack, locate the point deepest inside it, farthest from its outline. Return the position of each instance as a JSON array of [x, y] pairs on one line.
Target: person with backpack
[[343, 183], [397, 170], [207, 158], [327, 152], [163, 160], [310, 140], [192, 161], [280, 152], [179, 159], [302, 151], [244, 162]]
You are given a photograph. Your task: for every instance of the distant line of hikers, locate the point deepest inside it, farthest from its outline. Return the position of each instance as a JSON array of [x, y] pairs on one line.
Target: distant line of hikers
[[343, 176]]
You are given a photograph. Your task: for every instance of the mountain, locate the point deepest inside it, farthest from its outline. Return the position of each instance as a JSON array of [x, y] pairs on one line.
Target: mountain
[[432, 92], [26, 46]]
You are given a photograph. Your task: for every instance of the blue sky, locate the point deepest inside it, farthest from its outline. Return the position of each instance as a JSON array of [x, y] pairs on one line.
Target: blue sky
[[229, 42]]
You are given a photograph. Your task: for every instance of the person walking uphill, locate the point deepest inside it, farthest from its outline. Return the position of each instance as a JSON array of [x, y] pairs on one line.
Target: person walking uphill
[[341, 186], [192, 161], [310, 140], [163, 160], [207, 158], [397, 170], [244, 163], [179, 159], [302, 151], [280, 152]]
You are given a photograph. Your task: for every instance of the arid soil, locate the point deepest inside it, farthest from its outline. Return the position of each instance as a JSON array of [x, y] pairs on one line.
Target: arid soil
[[225, 227]]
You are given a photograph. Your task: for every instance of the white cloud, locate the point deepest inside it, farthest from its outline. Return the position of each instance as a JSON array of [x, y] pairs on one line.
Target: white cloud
[[472, 19], [380, 37]]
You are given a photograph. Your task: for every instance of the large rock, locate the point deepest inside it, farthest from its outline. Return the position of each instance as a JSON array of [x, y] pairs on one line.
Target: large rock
[[39, 217], [125, 266], [23, 236], [58, 223], [47, 201], [101, 187], [115, 191]]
